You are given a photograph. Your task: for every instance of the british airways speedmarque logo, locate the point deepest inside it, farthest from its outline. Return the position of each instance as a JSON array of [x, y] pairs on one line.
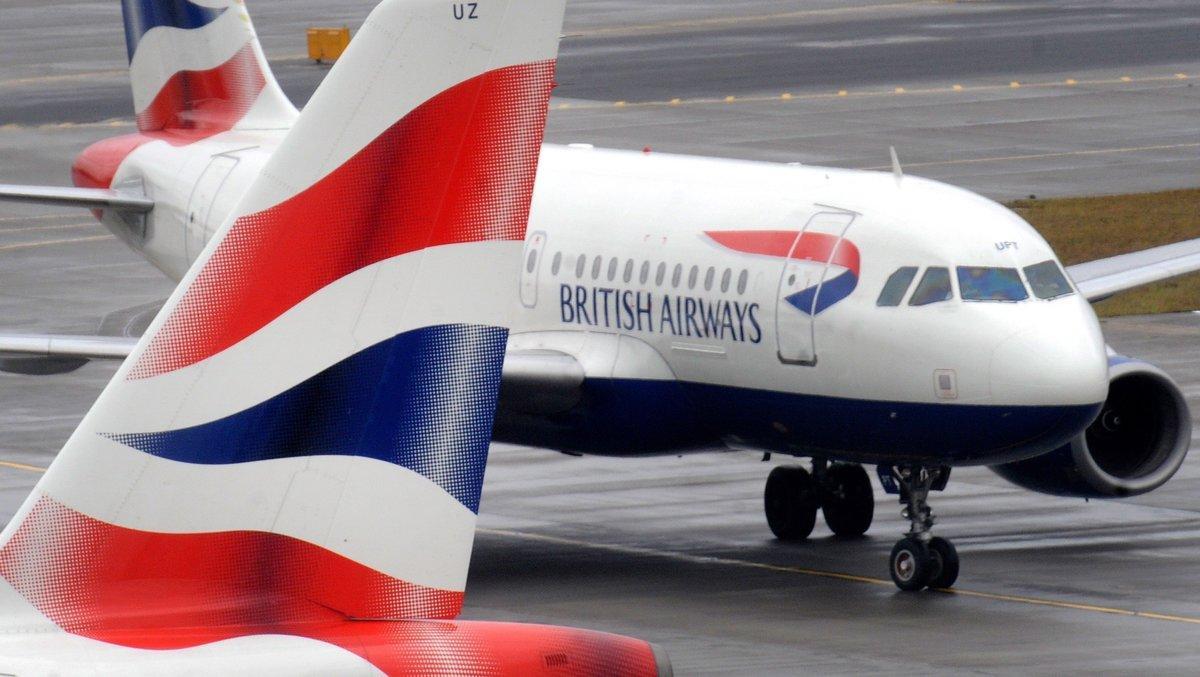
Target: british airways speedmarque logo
[[840, 254], [142, 16]]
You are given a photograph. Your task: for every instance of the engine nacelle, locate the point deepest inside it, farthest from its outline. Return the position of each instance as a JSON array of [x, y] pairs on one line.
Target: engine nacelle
[[1134, 446]]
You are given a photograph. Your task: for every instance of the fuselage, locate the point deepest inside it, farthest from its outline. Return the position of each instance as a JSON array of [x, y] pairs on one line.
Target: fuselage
[[805, 310]]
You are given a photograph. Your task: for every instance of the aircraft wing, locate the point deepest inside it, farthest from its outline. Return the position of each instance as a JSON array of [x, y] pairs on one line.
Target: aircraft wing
[[89, 198], [1102, 278], [539, 380]]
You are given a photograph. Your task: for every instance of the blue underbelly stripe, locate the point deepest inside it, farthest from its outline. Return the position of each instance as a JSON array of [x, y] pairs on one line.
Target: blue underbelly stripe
[[424, 400]]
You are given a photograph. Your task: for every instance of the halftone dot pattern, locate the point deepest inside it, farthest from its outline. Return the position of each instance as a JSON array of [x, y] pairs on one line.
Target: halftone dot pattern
[[92, 578], [458, 168], [424, 400], [199, 104]]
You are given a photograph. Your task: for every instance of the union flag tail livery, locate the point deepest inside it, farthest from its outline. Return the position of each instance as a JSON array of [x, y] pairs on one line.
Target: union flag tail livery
[[197, 69], [285, 474]]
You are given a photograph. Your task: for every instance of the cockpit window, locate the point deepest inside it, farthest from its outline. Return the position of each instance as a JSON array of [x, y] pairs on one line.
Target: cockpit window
[[897, 286], [980, 283], [1047, 280], [934, 288]]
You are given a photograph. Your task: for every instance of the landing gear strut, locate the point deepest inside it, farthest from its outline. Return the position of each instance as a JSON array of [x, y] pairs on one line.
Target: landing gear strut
[[920, 559], [841, 491]]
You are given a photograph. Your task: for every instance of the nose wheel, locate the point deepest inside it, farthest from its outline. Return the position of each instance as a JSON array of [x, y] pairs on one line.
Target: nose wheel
[[841, 491], [920, 559]]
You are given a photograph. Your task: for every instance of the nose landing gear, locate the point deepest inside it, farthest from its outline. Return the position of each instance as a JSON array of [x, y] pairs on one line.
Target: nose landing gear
[[920, 559], [842, 491]]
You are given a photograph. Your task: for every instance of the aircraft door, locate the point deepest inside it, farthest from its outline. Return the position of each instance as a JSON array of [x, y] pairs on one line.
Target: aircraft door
[[200, 205], [531, 266], [805, 273]]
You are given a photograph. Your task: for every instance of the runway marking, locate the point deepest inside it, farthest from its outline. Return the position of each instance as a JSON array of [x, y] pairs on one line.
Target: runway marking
[[33, 229], [1039, 156], [11, 219], [21, 466], [871, 93], [726, 21], [852, 578], [68, 77], [50, 243]]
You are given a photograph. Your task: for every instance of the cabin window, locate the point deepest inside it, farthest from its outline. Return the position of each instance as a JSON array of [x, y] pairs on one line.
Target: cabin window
[[557, 264], [708, 278], [725, 280], [645, 272], [693, 276], [628, 271], [982, 283], [677, 275], [934, 288], [612, 269], [743, 280], [897, 286], [1047, 280], [580, 266], [661, 275], [531, 262], [596, 265]]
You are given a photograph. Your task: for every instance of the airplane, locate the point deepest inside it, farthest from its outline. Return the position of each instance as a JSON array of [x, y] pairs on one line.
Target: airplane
[[668, 304], [306, 538]]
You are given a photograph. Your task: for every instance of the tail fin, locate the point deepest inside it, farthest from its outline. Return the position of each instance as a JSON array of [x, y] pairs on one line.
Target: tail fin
[[301, 434], [196, 67]]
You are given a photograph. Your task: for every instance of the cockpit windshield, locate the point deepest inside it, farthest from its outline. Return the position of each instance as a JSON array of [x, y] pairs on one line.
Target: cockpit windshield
[[1047, 280], [981, 283], [934, 287]]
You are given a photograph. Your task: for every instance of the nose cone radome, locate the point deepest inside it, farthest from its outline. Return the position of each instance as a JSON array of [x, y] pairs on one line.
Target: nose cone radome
[[1058, 361]]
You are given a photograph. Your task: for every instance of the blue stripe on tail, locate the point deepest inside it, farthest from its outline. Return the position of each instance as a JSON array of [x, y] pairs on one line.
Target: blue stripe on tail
[[424, 400], [142, 16]]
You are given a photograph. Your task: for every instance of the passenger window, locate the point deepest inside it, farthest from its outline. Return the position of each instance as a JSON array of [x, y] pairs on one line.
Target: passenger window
[[661, 274], [580, 266], [981, 283], [1047, 280], [628, 271], [596, 263], [934, 288], [677, 274], [531, 262], [692, 276], [612, 269], [645, 272], [725, 280], [708, 279], [557, 265], [743, 280], [896, 287]]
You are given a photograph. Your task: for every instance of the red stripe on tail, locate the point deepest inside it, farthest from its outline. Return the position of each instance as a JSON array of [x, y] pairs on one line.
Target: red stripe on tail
[[200, 104], [459, 168], [110, 583]]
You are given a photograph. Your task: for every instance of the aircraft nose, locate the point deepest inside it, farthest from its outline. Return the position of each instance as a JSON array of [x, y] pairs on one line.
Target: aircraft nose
[[1052, 363]]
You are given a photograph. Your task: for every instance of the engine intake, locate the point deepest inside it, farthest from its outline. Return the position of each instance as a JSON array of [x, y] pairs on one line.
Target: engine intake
[[1134, 446]]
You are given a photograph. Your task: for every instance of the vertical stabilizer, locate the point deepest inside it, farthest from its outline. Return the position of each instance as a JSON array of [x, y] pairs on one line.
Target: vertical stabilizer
[[197, 68], [301, 435]]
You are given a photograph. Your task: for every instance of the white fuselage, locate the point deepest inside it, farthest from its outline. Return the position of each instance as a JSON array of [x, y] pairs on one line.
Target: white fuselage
[[628, 268]]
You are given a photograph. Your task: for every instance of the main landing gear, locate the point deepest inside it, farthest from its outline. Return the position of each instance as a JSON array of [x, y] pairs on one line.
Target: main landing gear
[[920, 559], [841, 491]]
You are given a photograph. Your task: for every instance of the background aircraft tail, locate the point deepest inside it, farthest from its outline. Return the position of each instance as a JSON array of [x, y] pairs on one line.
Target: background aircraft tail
[[196, 67], [301, 435]]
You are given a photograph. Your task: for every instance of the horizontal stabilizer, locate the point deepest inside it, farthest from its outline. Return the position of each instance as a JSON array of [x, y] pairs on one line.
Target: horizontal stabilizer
[[87, 198], [53, 345], [1102, 278]]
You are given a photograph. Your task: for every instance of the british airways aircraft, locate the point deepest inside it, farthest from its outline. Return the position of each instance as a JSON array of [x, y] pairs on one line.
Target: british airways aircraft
[[284, 476], [665, 304]]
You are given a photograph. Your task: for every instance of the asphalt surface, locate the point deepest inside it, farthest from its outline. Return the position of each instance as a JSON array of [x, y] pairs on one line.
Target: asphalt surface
[[676, 550]]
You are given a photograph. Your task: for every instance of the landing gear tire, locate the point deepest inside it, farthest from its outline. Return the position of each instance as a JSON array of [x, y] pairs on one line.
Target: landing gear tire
[[911, 564], [847, 499], [790, 501], [945, 559]]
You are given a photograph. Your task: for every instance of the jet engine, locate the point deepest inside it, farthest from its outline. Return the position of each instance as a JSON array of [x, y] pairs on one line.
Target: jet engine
[[1134, 446]]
